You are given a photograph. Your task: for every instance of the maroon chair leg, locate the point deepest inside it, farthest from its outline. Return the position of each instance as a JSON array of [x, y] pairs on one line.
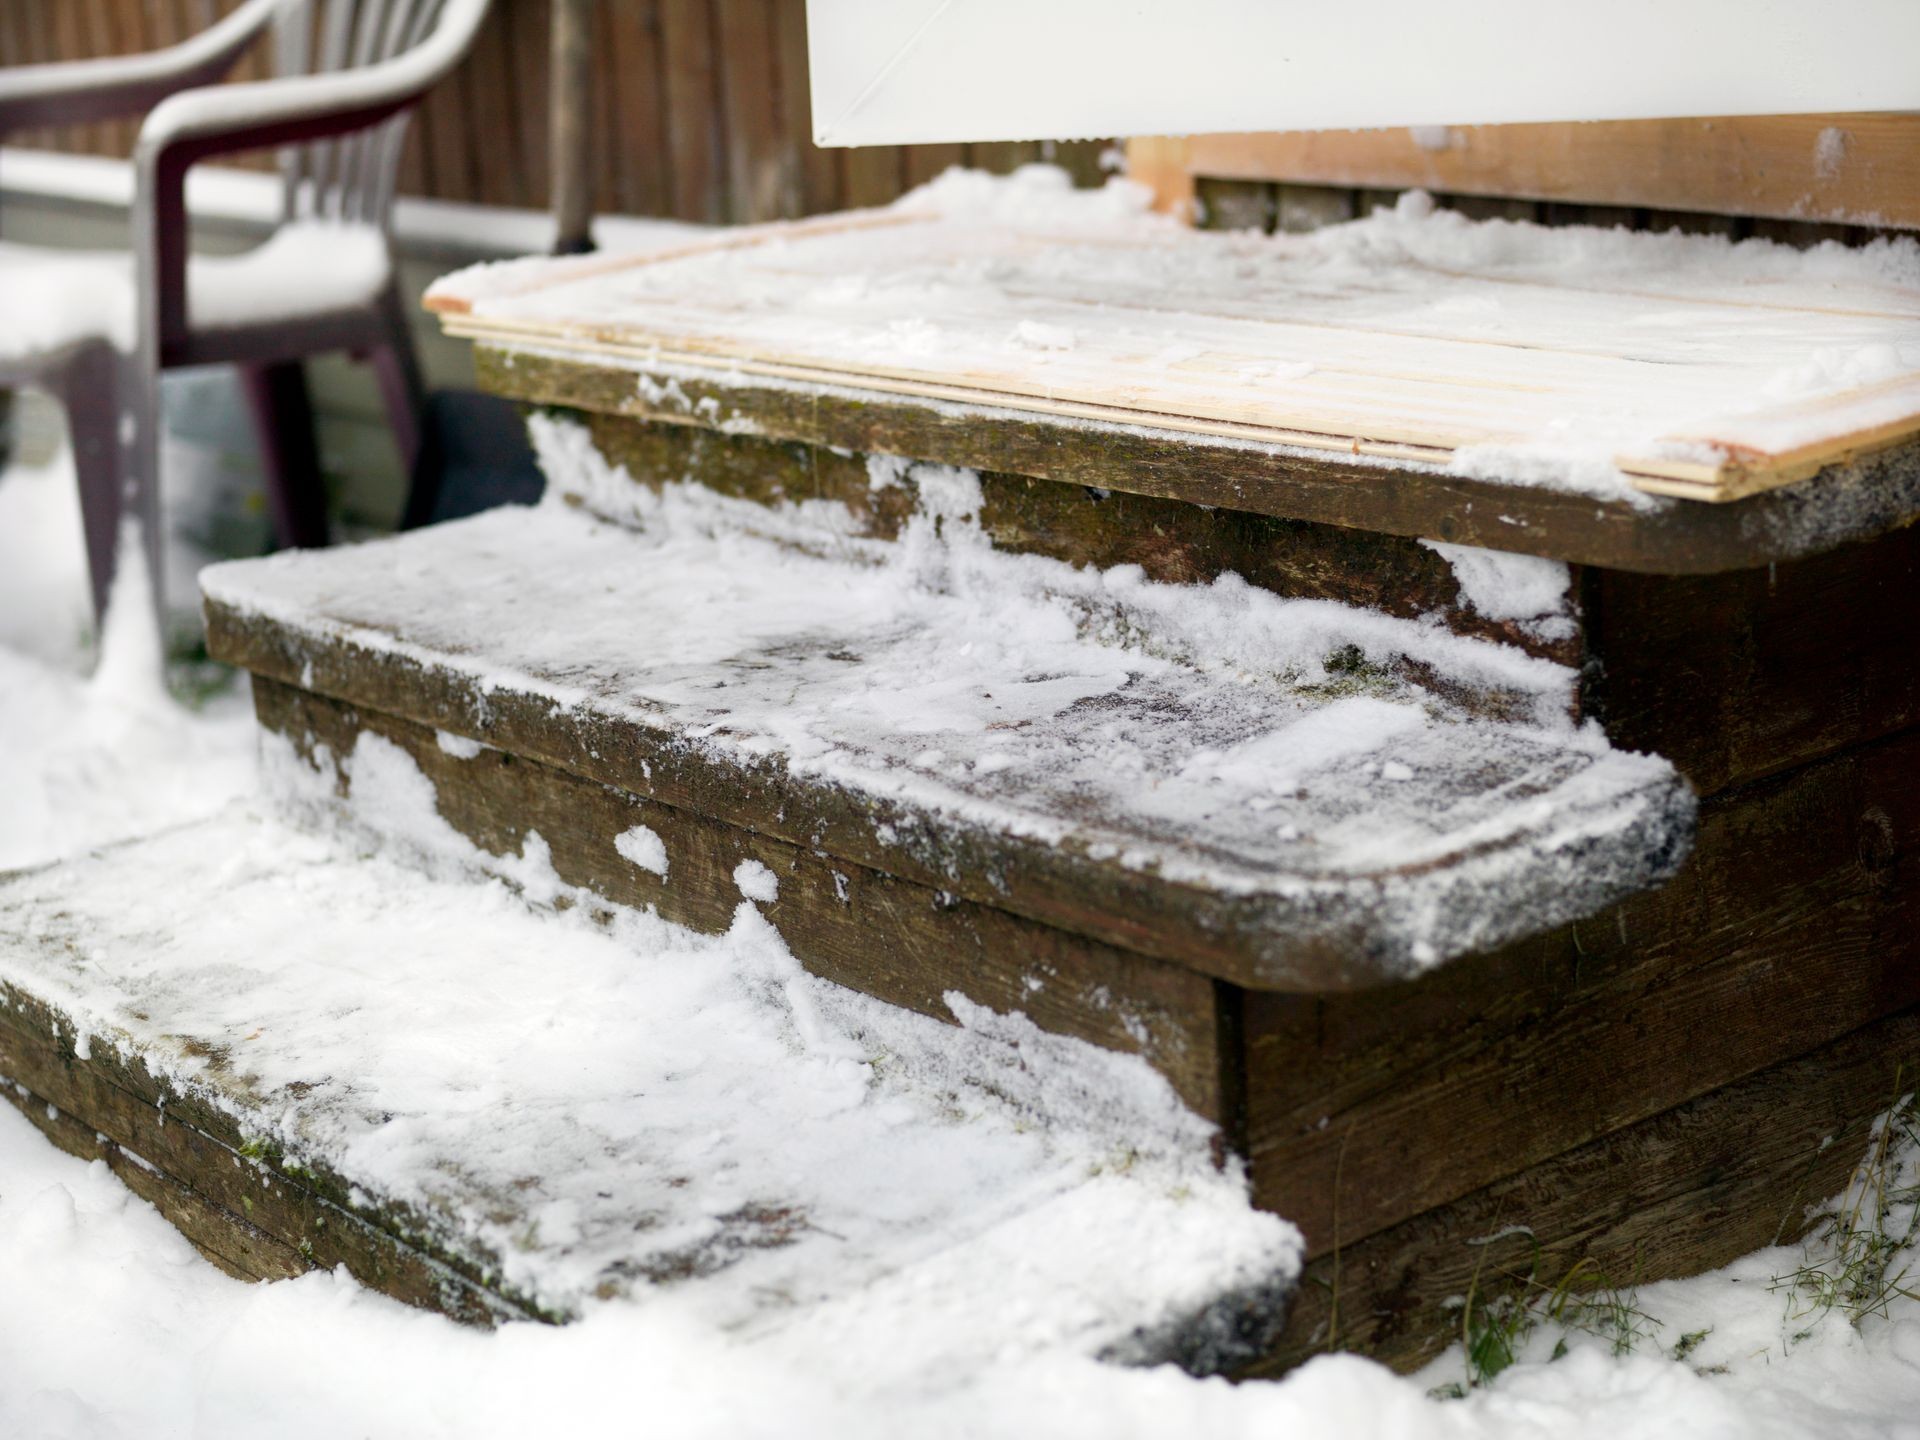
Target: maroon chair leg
[[397, 369], [283, 420], [89, 390]]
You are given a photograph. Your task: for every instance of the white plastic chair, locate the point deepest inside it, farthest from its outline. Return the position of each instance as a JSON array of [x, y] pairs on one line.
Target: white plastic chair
[[98, 329]]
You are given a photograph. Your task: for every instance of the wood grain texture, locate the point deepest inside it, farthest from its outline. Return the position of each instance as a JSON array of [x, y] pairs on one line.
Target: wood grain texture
[[1683, 1192], [230, 1242], [1427, 381], [1748, 674], [1846, 502], [198, 1145], [902, 942], [1795, 921], [1172, 542], [1771, 165]]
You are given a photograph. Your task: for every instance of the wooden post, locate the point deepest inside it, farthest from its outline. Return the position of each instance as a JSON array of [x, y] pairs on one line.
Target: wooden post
[[570, 108]]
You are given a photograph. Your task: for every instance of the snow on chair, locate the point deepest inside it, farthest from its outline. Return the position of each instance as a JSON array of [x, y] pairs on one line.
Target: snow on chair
[[324, 281]]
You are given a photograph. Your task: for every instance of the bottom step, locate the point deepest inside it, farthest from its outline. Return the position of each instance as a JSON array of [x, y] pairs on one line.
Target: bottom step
[[307, 1054]]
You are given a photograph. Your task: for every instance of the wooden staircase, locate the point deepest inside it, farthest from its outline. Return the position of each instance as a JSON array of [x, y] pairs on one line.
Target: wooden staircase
[[1496, 934]]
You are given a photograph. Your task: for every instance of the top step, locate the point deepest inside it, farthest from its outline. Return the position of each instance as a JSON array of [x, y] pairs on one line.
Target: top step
[[1288, 794], [1397, 373]]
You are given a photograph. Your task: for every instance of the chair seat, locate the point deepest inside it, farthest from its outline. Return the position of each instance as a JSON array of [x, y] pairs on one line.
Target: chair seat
[[52, 299]]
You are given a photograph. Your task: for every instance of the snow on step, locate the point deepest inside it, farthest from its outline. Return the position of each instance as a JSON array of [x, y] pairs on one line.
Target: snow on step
[[568, 1108], [1573, 358], [1253, 783]]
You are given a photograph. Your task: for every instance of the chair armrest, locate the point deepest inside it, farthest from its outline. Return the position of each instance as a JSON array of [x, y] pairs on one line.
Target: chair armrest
[[224, 119], [74, 92], [265, 113]]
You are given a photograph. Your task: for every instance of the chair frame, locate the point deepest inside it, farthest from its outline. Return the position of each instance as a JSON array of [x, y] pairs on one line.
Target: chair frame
[[380, 67]]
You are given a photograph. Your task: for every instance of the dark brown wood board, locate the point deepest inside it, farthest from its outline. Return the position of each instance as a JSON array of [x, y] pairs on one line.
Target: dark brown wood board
[[1597, 825], [887, 937], [1851, 501], [1795, 921], [1681, 1193]]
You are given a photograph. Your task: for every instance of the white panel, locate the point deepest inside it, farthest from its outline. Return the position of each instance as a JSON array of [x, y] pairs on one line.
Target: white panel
[[905, 71]]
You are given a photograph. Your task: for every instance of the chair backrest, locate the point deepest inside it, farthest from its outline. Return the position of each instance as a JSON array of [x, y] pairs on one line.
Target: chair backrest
[[350, 180]]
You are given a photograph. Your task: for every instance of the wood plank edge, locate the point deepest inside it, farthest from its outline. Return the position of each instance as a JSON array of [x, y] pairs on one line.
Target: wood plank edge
[[454, 1285]]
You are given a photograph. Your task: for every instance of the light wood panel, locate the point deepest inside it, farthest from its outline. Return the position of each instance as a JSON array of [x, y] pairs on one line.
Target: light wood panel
[[1848, 169], [1230, 336]]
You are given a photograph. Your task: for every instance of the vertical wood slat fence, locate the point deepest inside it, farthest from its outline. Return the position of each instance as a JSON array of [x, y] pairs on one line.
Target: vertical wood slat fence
[[700, 108]]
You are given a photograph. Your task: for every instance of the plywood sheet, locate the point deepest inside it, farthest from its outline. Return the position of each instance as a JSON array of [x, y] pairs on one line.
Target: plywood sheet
[[1576, 359]]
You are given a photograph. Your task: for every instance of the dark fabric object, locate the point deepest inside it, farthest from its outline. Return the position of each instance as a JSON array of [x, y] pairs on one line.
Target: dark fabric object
[[474, 455]]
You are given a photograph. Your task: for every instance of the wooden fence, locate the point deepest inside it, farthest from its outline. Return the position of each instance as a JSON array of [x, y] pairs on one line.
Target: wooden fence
[[700, 108]]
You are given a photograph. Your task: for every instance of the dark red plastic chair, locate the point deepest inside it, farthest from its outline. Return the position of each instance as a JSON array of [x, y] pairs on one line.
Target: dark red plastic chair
[[349, 72]]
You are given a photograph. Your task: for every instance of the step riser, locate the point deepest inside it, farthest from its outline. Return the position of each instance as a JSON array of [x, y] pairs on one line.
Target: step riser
[[252, 1219], [1851, 501], [902, 942], [1795, 921], [1682, 1193], [1174, 541], [1731, 676]]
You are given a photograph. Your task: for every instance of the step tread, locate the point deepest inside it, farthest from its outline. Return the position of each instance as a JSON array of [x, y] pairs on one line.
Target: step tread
[[1288, 793], [645, 1112], [1556, 359]]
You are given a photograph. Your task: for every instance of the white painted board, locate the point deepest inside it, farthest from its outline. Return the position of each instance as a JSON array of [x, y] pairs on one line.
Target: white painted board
[[888, 72]]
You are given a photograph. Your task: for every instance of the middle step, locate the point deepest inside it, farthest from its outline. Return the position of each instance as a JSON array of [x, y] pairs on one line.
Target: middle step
[[1280, 793]]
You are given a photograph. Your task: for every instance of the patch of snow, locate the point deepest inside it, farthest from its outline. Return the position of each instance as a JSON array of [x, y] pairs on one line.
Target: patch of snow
[[1502, 585], [642, 846], [87, 759], [756, 881], [458, 746], [1038, 335], [1829, 152]]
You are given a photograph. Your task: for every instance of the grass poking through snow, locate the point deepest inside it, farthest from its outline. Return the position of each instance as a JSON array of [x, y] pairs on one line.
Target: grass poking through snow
[[1860, 1253]]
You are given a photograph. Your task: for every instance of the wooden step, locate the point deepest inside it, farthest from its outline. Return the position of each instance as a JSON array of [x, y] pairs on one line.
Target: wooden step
[[1291, 795], [307, 1054], [1499, 385]]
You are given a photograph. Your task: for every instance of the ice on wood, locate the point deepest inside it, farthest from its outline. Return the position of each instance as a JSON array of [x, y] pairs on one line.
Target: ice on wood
[[1213, 737]]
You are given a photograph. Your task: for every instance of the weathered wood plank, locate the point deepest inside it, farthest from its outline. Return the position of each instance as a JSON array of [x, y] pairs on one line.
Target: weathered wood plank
[[1860, 499], [1748, 674], [1227, 895], [1684, 1192], [229, 1241], [693, 140], [1848, 168], [1796, 920], [201, 1147], [1236, 205], [1308, 207], [902, 942], [1171, 541], [762, 170], [631, 143]]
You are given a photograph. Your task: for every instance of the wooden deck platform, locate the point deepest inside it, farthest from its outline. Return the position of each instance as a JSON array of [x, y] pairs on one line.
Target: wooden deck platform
[[1581, 360]]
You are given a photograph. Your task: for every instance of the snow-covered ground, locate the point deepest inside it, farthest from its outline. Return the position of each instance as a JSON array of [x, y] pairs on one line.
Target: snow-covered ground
[[110, 1325]]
